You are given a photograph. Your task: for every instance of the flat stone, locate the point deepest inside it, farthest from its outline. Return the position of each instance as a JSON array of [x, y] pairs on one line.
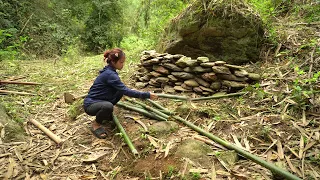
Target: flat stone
[[233, 66], [197, 89], [163, 128], [178, 83], [162, 79], [206, 89], [140, 85], [168, 56], [191, 83], [202, 82], [183, 75], [182, 61], [215, 85], [173, 67], [240, 73], [254, 76], [191, 63], [151, 62], [145, 78], [169, 89], [220, 63], [202, 60], [209, 77], [195, 150], [208, 64], [234, 84], [172, 78], [199, 69], [185, 86], [187, 69], [221, 70], [228, 157], [231, 77], [155, 74], [180, 89], [160, 69]]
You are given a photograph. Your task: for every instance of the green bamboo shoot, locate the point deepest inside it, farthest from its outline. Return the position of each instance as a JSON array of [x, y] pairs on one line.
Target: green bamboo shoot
[[125, 136]]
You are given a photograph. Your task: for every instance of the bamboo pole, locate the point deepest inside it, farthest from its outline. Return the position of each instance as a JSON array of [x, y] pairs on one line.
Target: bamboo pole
[[172, 96], [16, 92], [54, 137], [245, 154], [149, 108], [141, 111], [162, 109], [218, 96], [18, 82], [125, 136], [256, 159]]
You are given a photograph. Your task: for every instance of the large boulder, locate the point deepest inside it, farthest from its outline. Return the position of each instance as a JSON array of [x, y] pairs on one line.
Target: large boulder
[[221, 30]]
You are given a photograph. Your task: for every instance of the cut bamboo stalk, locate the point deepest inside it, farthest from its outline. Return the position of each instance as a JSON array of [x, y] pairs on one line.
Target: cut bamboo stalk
[[142, 111], [218, 96], [54, 137], [163, 109], [16, 92], [125, 136], [245, 154], [18, 82], [149, 108], [254, 158], [172, 96]]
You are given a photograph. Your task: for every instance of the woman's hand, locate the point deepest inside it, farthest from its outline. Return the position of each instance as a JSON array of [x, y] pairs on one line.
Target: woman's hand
[[153, 96]]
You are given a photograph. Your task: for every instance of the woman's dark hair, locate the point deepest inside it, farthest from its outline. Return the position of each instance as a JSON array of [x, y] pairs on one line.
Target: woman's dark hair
[[113, 55]]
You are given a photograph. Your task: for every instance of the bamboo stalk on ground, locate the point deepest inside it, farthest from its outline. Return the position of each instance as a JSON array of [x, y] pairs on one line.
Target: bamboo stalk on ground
[[173, 96], [149, 108], [54, 137], [125, 136], [218, 96], [141, 111], [242, 152], [164, 110], [18, 82], [16, 92]]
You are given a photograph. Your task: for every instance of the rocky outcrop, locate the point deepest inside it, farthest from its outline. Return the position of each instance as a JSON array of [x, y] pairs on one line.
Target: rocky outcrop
[[222, 30]]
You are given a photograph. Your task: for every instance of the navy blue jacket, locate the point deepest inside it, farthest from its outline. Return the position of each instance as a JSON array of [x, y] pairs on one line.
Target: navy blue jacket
[[108, 85]]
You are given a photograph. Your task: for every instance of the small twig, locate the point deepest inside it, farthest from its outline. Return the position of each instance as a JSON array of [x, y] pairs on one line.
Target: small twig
[[311, 62]]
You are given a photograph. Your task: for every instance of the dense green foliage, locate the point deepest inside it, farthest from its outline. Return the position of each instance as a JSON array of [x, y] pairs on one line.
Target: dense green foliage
[[43, 28], [51, 28]]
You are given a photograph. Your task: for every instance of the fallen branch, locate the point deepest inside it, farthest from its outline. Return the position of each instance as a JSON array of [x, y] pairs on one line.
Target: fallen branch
[[16, 92], [54, 137], [19, 82], [125, 136]]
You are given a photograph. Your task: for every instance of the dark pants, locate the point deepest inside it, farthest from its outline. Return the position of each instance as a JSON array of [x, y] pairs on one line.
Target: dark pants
[[103, 109]]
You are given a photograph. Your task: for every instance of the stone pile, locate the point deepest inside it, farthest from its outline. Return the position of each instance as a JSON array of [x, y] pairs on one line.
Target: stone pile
[[178, 73]]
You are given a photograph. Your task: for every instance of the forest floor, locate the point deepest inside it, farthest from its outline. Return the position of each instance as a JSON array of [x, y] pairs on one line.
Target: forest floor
[[269, 121]]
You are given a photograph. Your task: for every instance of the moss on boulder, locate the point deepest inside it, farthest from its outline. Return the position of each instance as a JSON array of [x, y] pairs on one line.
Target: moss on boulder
[[221, 30]]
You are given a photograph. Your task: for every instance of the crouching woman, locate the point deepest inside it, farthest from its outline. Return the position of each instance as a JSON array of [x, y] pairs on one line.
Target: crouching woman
[[107, 90]]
